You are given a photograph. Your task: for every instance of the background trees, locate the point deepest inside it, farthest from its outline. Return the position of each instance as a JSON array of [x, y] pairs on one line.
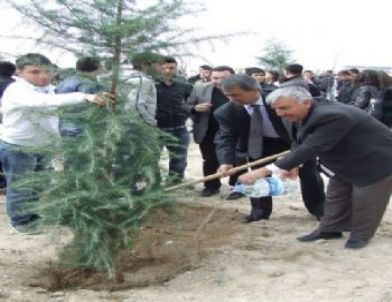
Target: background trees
[[276, 55]]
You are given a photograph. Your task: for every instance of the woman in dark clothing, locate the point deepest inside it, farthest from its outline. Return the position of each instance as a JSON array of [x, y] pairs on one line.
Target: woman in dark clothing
[[368, 95], [384, 79], [386, 90], [271, 81], [345, 87]]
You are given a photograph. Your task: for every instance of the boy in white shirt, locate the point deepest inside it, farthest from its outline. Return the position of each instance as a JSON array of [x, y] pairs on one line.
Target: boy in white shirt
[[28, 121]]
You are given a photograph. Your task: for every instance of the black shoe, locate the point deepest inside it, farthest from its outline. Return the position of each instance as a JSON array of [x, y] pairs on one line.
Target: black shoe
[[207, 192], [173, 182], [355, 244], [316, 235], [252, 218], [234, 196], [32, 228], [174, 179]]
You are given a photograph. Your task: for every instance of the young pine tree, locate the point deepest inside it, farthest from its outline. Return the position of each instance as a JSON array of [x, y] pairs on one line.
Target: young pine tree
[[107, 186]]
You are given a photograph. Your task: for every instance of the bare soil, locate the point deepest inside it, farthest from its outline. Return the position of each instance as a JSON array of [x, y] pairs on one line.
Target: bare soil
[[207, 254], [168, 245]]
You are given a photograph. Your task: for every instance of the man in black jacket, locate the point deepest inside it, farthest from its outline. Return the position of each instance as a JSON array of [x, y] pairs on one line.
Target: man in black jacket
[[345, 87], [293, 77], [354, 146], [236, 130], [171, 115]]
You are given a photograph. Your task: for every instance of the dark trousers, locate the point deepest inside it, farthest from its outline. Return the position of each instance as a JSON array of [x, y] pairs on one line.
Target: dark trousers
[[3, 181], [354, 209], [178, 153], [312, 188], [211, 163], [16, 164], [263, 206]]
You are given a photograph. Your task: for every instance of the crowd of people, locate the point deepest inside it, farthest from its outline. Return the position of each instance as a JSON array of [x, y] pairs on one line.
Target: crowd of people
[[334, 124]]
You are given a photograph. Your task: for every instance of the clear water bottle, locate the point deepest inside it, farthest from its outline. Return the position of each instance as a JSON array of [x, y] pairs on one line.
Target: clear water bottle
[[375, 108], [269, 186]]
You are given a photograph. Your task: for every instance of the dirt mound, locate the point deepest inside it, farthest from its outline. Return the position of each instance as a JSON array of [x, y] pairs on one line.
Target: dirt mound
[[168, 246]]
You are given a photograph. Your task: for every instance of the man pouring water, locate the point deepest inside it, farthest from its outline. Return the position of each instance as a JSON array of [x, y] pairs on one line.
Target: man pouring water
[[353, 145]]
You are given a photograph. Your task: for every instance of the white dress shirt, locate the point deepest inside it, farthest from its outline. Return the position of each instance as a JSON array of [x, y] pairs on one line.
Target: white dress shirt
[[28, 118], [268, 128]]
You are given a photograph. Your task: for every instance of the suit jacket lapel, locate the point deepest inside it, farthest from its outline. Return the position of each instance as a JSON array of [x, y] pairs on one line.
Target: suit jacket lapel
[[304, 124]]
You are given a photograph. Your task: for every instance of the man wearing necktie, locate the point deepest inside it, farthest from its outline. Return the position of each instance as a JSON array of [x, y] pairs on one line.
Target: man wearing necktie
[[248, 124]]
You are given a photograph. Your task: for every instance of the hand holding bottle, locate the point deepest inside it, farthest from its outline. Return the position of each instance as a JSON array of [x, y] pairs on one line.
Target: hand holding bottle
[[251, 177], [269, 186]]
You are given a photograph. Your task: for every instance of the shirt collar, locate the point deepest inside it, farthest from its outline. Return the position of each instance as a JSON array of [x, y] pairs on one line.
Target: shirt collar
[[258, 102], [45, 89]]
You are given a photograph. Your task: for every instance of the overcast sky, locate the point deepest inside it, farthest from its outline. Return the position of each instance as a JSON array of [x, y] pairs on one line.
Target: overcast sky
[[320, 33]]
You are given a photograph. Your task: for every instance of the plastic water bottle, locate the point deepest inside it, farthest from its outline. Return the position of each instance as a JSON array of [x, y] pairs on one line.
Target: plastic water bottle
[[375, 108], [269, 186]]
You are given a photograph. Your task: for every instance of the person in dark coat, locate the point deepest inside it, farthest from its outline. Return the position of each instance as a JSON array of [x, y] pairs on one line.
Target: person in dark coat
[[171, 115], [203, 101], [271, 81], [345, 87], [260, 76], [235, 123], [83, 80], [355, 147], [386, 89], [293, 77], [369, 89]]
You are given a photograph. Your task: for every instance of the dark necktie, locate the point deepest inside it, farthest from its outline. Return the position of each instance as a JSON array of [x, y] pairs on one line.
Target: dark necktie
[[255, 142], [295, 133]]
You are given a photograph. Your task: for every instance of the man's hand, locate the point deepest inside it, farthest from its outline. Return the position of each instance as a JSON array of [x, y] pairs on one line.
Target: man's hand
[[291, 174], [251, 177], [103, 99], [225, 169], [203, 107]]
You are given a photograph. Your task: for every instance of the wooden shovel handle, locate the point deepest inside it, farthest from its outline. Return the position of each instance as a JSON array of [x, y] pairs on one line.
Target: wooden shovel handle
[[220, 175]]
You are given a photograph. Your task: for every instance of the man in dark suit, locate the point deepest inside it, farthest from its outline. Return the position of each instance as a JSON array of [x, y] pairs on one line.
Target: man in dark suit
[[204, 100], [354, 146], [236, 130]]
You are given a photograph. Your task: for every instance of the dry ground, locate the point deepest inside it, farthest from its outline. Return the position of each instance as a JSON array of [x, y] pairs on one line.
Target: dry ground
[[226, 261]]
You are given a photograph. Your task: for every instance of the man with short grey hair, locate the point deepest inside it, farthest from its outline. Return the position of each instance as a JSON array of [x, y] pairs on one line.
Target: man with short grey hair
[[354, 146], [248, 124]]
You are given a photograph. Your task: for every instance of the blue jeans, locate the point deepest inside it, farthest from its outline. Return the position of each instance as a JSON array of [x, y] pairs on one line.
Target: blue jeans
[[16, 163], [67, 128], [178, 153], [3, 182]]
